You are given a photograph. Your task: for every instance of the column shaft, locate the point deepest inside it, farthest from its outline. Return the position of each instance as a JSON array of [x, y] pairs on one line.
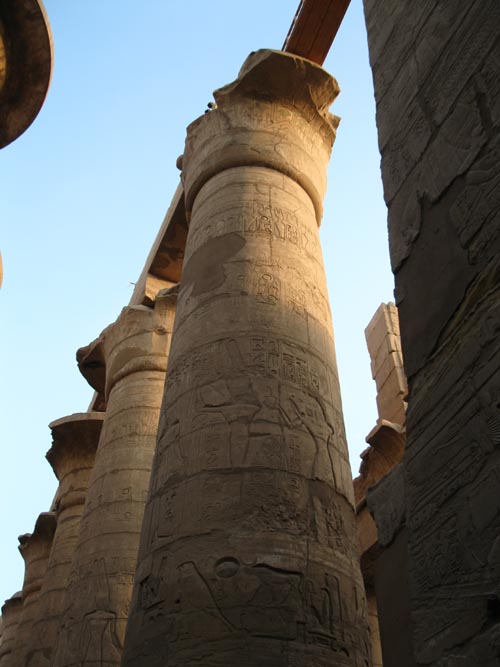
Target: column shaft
[[71, 456], [35, 550], [135, 350], [249, 545], [11, 611]]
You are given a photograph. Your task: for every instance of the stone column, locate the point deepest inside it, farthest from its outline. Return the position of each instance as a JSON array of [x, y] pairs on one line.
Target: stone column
[[11, 611], [71, 456], [135, 350], [35, 550], [374, 629], [249, 552]]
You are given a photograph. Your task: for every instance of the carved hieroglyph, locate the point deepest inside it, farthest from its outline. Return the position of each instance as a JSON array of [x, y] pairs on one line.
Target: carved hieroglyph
[[248, 551], [71, 456], [436, 70], [35, 550], [135, 350], [11, 611]]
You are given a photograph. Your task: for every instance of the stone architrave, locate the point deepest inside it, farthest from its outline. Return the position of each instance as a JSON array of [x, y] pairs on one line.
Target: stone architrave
[[249, 551], [35, 550], [135, 350], [74, 443], [11, 611]]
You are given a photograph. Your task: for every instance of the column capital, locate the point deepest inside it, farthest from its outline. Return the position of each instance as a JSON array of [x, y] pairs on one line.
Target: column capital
[[11, 604], [274, 115], [74, 440], [34, 548], [74, 444], [136, 341]]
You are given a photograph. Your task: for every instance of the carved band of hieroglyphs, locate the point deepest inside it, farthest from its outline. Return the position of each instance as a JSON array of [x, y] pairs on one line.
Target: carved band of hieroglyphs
[[261, 219], [260, 355]]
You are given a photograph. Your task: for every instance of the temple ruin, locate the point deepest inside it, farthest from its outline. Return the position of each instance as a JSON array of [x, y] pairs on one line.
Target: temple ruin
[[205, 511]]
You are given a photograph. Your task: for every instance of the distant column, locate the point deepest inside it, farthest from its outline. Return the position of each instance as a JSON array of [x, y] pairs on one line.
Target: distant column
[[249, 550], [11, 611], [35, 550], [135, 350], [71, 456], [374, 629]]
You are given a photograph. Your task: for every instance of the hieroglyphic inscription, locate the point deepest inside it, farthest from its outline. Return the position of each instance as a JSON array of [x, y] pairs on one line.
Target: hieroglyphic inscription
[[261, 355], [265, 220], [251, 534]]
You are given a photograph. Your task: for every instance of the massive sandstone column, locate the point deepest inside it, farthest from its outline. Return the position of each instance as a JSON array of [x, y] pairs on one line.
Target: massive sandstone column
[[249, 551], [135, 350], [35, 550], [74, 443], [11, 611]]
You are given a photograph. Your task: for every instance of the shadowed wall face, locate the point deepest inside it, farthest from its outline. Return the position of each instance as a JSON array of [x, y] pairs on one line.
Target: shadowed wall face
[[436, 68], [249, 551]]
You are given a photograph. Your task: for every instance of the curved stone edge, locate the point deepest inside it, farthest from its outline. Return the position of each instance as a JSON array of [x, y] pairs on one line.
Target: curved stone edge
[[13, 601], [45, 526], [76, 434], [28, 60], [269, 75]]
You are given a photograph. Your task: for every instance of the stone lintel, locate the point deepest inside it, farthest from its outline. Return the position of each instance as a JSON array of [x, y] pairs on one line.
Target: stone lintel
[[163, 266], [275, 92], [314, 27], [74, 441], [25, 65]]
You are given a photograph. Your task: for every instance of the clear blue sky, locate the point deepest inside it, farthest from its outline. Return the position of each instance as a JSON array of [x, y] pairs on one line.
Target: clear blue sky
[[84, 190]]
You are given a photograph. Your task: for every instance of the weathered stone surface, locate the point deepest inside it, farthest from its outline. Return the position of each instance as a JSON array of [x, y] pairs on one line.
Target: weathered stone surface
[[25, 65], [384, 345], [387, 444], [374, 628], [74, 443], [248, 552], [444, 230], [387, 439], [135, 351], [11, 611], [163, 266], [35, 550], [393, 603], [386, 502]]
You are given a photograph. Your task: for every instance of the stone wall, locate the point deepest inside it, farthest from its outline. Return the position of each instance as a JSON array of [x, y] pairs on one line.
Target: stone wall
[[436, 68]]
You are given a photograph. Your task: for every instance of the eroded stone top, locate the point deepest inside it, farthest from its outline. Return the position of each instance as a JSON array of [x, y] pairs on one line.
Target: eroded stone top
[[74, 439], [274, 115]]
